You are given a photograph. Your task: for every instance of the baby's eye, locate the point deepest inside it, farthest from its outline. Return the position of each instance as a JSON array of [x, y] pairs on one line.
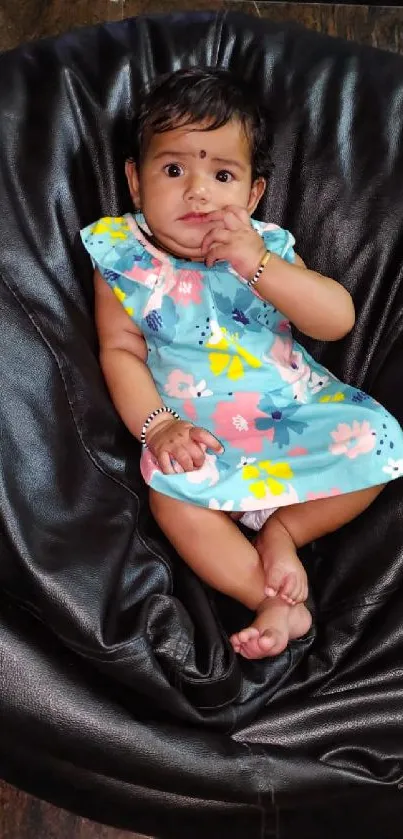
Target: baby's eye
[[224, 176], [173, 170]]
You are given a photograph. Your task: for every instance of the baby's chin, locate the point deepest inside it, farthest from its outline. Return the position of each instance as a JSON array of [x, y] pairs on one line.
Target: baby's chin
[[186, 248]]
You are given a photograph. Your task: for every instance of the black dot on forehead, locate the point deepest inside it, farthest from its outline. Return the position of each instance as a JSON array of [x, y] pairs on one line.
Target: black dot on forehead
[[202, 153]]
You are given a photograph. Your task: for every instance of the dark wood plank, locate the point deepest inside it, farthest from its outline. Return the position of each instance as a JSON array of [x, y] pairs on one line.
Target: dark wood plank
[[376, 26], [380, 26], [25, 817]]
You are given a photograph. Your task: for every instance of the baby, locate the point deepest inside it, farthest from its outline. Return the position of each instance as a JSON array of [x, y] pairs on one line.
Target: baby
[[194, 301]]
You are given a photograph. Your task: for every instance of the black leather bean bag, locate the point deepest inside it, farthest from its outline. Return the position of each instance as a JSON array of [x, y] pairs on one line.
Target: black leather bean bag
[[121, 698]]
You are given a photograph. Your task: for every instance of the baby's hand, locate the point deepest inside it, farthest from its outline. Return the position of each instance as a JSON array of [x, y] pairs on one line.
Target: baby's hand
[[179, 446], [235, 240]]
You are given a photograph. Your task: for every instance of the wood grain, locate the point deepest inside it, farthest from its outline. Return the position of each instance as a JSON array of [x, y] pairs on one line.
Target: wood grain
[[379, 26], [25, 817]]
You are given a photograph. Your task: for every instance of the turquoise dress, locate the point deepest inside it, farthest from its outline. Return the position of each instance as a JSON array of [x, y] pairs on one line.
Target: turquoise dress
[[226, 360]]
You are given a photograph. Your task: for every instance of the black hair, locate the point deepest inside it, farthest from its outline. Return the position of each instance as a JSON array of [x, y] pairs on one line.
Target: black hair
[[195, 95]]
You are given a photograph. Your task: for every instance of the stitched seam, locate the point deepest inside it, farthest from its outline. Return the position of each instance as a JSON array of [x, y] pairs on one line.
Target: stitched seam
[[263, 834]]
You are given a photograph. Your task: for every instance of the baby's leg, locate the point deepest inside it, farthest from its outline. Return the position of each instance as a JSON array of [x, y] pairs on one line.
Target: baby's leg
[[297, 525], [211, 543]]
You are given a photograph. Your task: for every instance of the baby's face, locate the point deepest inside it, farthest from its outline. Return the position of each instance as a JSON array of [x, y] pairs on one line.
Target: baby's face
[[188, 173]]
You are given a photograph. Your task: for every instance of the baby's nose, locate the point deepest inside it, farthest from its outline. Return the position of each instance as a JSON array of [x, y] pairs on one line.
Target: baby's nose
[[197, 186]]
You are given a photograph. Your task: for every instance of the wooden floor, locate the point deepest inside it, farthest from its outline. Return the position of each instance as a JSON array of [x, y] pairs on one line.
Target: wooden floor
[[25, 817], [21, 816], [23, 20]]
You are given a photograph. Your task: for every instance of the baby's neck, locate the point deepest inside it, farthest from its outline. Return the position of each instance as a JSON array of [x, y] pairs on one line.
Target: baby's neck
[[154, 241]]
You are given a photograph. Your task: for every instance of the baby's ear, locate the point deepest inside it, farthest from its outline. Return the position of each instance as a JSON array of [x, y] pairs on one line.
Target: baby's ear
[[257, 189], [133, 182]]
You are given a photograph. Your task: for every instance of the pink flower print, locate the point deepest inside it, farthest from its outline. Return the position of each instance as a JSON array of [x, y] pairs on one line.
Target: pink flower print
[[187, 288], [181, 385], [284, 326], [178, 384], [280, 351], [297, 451], [148, 466], [162, 280], [234, 422], [354, 440], [189, 409], [291, 366], [315, 496], [142, 275]]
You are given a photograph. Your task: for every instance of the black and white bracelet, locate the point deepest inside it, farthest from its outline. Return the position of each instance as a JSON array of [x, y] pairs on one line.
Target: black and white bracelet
[[164, 410], [260, 270]]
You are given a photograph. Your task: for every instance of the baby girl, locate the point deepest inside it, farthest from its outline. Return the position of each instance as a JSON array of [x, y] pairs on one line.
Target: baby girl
[[194, 306]]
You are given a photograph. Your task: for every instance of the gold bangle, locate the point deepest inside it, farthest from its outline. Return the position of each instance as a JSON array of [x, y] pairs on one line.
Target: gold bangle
[[260, 270]]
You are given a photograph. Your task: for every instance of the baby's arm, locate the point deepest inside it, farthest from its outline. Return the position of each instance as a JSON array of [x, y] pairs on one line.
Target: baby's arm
[[317, 305], [123, 356]]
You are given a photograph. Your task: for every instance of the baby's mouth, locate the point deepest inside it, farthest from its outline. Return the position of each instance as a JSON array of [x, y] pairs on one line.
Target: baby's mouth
[[196, 218]]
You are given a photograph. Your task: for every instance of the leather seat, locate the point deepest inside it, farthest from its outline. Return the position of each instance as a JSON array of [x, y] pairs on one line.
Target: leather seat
[[121, 698]]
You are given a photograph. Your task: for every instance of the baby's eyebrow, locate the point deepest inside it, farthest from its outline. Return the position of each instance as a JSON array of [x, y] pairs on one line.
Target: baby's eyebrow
[[226, 162]]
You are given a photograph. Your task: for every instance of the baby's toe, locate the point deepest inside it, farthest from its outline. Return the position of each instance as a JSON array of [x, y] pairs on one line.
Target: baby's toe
[[289, 588], [236, 643], [256, 648], [274, 581], [247, 634]]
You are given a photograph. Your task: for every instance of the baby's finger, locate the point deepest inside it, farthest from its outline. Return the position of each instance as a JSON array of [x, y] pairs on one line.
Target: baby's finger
[[240, 214], [183, 457], [165, 464], [228, 216], [215, 254], [177, 468], [197, 454], [216, 215], [217, 235], [203, 436]]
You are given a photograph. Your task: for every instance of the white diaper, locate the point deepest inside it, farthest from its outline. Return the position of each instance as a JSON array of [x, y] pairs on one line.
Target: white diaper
[[255, 519]]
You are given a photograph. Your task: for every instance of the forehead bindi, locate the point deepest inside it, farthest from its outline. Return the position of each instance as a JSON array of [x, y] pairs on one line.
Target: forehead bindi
[[225, 145]]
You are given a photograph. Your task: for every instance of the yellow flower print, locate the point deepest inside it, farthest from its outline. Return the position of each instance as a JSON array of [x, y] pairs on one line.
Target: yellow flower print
[[116, 227], [121, 295], [267, 475], [337, 397], [231, 362]]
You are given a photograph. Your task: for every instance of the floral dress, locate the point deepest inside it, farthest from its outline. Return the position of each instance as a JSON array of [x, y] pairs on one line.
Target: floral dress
[[226, 360]]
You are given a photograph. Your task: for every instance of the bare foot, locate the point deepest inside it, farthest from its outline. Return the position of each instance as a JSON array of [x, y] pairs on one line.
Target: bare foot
[[284, 573], [276, 624]]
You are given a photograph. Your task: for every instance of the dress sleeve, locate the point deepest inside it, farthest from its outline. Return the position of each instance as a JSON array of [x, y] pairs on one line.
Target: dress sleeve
[[121, 260], [277, 239]]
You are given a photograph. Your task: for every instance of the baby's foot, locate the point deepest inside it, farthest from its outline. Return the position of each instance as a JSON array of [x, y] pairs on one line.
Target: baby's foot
[[276, 624], [284, 573]]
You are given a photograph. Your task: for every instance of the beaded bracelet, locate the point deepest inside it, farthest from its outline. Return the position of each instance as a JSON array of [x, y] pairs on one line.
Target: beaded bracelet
[[260, 270], [164, 410]]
